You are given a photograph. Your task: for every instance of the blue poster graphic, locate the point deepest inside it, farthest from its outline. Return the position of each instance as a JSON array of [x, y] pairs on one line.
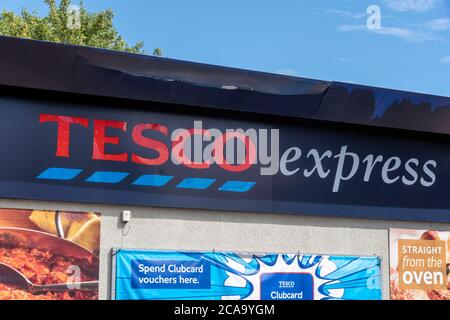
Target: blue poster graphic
[[173, 275]]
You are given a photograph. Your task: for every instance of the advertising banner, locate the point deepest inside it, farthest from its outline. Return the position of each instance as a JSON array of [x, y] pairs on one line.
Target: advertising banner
[[49, 255], [163, 275], [86, 151], [419, 264]]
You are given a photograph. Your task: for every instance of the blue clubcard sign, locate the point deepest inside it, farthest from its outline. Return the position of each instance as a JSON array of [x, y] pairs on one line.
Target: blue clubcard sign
[[173, 275]]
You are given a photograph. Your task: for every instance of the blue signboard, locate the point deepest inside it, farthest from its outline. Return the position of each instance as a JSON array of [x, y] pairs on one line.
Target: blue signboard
[[173, 275], [89, 152]]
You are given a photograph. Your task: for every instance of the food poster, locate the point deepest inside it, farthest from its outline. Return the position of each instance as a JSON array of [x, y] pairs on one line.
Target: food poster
[[419, 264], [49, 255], [174, 275]]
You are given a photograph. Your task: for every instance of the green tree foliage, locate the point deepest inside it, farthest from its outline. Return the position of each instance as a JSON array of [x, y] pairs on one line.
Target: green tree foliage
[[60, 25], [157, 52]]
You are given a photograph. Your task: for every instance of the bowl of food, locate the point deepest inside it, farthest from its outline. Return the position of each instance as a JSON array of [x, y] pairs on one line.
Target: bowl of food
[[46, 259]]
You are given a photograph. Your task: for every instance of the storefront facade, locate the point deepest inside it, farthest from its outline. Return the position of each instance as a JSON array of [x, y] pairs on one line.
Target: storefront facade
[[331, 167]]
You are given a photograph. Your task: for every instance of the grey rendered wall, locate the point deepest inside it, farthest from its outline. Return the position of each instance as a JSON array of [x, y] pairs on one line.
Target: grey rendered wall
[[162, 228]]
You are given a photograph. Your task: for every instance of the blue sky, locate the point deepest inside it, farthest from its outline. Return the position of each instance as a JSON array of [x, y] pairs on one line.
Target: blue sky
[[320, 39]]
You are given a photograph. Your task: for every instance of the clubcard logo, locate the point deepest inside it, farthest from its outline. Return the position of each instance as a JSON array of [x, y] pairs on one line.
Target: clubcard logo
[[287, 286]]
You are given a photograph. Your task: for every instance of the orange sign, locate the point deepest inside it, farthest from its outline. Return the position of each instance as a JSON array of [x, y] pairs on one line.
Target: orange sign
[[422, 264], [419, 264]]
